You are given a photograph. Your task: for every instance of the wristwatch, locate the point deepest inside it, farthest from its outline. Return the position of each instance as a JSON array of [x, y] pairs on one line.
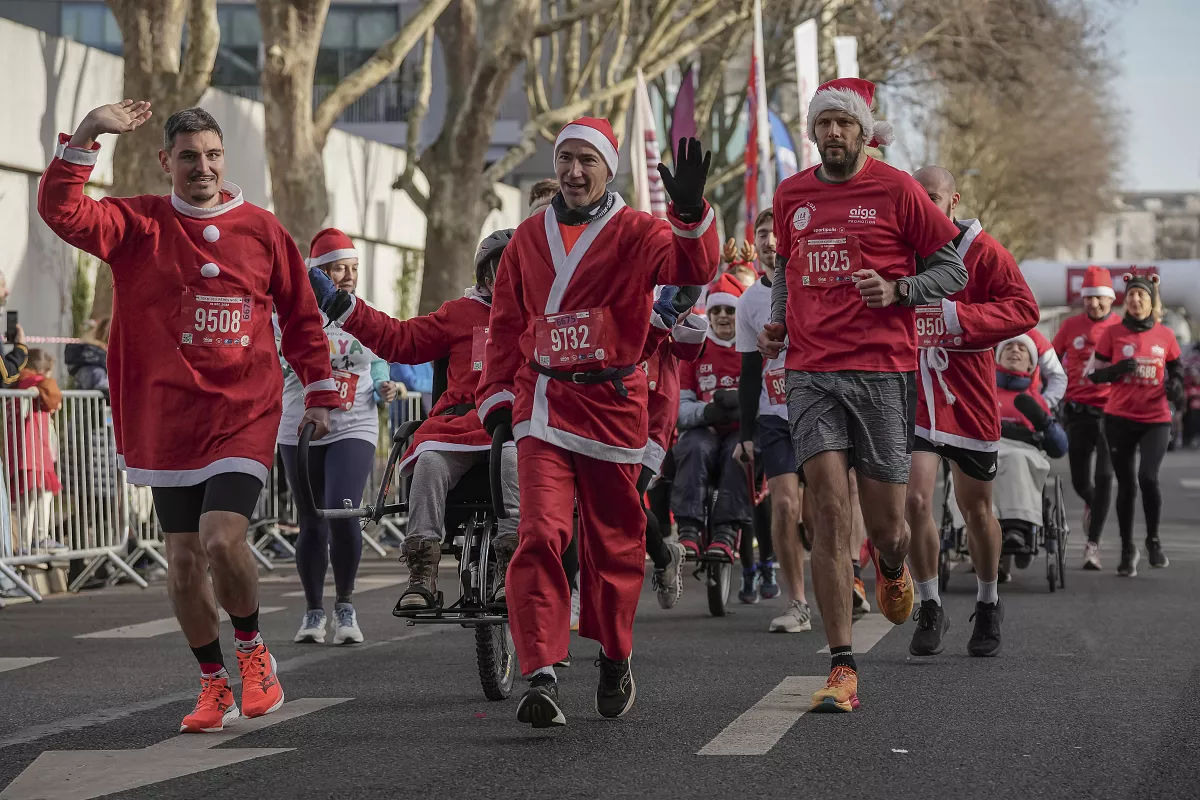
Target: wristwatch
[[902, 290]]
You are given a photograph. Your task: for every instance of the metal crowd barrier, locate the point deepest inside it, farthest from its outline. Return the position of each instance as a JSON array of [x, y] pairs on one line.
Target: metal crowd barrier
[[66, 500]]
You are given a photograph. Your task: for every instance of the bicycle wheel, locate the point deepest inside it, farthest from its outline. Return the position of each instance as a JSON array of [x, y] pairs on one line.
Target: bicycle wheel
[[495, 653], [1064, 532], [719, 580]]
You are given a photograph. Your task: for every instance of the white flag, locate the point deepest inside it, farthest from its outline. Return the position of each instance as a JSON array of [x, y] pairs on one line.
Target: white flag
[[846, 50], [807, 80], [649, 195]]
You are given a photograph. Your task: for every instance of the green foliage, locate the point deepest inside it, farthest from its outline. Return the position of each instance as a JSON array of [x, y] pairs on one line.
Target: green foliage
[[81, 290]]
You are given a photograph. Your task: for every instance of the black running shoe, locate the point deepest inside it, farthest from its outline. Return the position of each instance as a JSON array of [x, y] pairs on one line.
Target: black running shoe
[[1154, 551], [539, 705], [985, 639], [1129, 561], [932, 624], [616, 692]]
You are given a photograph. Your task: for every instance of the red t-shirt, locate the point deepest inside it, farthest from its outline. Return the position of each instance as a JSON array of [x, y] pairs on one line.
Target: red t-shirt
[[718, 367], [877, 220], [1075, 342], [1140, 395]]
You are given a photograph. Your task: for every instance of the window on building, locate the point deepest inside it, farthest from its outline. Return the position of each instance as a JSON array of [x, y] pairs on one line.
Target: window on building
[[1090, 250], [1117, 252], [91, 24], [238, 59]]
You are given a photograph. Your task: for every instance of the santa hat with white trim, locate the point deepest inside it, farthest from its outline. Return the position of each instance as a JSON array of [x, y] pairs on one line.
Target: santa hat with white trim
[[1097, 282], [328, 246], [598, 133], [724, 291], [854, 96]]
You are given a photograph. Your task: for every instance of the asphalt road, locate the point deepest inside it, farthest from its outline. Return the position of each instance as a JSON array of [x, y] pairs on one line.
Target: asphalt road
[[1096, 694]]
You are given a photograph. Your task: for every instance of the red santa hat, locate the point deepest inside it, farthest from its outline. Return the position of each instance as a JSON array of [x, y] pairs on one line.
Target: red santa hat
[[328, 246], [595, 131], [854, 96], [1097, 282], [724, 291]]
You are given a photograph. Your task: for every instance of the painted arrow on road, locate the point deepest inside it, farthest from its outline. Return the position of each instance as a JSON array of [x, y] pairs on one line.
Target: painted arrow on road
[[84, 774]]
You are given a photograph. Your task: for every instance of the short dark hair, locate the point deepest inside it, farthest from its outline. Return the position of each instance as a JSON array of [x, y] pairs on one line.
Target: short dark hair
[[542, 188], [189, 120], [763, 216]]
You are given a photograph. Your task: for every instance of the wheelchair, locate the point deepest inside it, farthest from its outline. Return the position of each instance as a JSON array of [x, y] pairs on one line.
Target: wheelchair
[[1049, 537], [473, 508]]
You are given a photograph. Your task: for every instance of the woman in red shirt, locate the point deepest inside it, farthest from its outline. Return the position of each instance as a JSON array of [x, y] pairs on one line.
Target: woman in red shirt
[[1141, 359]]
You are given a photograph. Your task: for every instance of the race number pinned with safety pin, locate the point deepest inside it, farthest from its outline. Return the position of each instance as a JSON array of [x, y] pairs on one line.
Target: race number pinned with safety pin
[[829, 258], [213, 321], [345, 383], [479, 339], [572, 339], [931, 328], [776, 381]]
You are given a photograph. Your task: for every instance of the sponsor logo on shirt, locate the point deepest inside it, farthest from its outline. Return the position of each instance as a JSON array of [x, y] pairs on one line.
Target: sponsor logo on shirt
[[1128, 350], [803, 216], [1079, 342], [863, 215], [1158, 350]]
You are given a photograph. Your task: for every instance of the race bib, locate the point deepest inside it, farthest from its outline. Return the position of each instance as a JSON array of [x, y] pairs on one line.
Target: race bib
[[827, 259], [776, 380], [931, 328], [346, 384], [1146, 371], [212, 321], [572, 339], [479, 338]]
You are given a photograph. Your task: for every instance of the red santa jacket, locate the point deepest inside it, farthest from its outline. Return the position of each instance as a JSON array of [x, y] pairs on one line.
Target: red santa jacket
[[1006, 406], [956, 383], [457, 331], [194, 374], [684, 342], [610, 273]]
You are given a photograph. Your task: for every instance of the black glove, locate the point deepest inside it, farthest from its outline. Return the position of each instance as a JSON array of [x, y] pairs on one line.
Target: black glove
[[1033, 412], [1018, 433], [1176, 394], [497, 417], [685, 298], [716, 414], [686, 186], [333, 301], [1112, 372], [726, 399]]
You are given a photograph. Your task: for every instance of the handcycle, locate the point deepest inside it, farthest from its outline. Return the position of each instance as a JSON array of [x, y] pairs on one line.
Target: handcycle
[[473, 508]]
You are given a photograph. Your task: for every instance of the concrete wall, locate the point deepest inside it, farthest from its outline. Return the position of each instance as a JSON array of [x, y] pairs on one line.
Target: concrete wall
[[59, 81]]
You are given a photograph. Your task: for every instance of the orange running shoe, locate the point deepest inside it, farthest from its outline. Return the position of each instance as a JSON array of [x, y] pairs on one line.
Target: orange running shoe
[[214, 708], [893, 597], [860, 608], [261, 692], [840, 693]]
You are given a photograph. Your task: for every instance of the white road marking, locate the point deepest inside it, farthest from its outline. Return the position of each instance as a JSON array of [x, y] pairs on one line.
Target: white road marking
[[84, 774], [361, 586], [761, 726], [17, 663], [156, 627], [1190, 483], [867, 632]]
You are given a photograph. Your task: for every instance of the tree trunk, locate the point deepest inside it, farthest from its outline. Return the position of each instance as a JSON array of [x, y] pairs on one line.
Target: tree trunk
[[452, 225], [291, 36]]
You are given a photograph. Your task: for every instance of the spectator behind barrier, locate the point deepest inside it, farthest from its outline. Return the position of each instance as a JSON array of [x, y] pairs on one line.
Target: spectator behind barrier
[[87, 360], [414, 378], [31, 457], [14, 360]]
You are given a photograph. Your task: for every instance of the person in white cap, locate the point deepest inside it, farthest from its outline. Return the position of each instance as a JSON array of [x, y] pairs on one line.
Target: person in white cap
[[847, 233], [1083, 410], [570, 316], [193, 371]]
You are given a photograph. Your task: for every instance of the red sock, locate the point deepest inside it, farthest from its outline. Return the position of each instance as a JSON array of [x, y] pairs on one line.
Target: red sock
[[245, 636], [210, 669]]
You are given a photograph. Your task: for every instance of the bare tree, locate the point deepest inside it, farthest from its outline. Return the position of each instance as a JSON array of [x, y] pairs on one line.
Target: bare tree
[[158, 68], [297, 132]]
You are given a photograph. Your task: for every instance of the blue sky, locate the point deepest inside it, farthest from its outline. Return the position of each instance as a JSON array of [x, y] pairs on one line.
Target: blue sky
[[1156, 44]]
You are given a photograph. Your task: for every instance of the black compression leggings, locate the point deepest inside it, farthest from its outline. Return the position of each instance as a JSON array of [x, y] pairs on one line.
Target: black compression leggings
[[1126, 439], [1091, 477], [656, 548]]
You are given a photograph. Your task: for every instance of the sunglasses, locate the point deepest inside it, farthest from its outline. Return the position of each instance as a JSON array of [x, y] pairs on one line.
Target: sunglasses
[[730, 310]]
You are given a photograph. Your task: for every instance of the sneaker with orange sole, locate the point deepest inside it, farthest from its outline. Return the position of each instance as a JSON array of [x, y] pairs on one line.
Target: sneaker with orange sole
[[840, 694], [214, 708], [893, 597], [860, 607], [261, 692]]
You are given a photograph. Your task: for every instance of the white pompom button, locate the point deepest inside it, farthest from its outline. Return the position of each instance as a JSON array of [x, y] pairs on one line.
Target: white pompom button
[[211, 234], [210, 270]]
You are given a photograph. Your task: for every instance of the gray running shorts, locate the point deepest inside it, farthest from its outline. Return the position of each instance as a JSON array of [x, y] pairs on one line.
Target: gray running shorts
[[867, 414]]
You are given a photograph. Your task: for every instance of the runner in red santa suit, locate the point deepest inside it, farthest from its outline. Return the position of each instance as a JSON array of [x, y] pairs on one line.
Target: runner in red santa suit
[[570, 316], [1083, 412], [957, 420], [847, 233], [1141, 359], [193, 370], [452, 440]]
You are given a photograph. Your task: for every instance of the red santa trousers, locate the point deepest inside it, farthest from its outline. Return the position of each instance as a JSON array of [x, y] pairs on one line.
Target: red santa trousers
[[612, 553]]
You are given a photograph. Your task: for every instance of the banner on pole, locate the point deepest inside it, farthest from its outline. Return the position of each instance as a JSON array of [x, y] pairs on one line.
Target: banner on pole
[[643, 150], [808, 79], [785, 152], [845, 48]]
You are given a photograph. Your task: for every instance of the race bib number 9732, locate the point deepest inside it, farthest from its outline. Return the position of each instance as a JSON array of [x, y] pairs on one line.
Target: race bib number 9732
[[571, 339]]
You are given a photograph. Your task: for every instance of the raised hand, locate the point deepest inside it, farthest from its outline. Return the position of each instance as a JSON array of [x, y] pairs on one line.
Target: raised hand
[[122, 117], [686, 186]]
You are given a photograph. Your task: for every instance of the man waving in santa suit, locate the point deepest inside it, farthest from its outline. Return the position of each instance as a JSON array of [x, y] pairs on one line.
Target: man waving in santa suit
[[570, 314], [195, 378]]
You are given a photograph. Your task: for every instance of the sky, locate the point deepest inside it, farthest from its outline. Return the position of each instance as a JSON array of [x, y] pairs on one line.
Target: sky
[[1156, 44]]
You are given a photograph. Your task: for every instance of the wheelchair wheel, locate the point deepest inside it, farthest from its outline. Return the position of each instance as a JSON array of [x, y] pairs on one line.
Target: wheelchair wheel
[[943, 570], [719, 580], [1064, 530], [495, 653]]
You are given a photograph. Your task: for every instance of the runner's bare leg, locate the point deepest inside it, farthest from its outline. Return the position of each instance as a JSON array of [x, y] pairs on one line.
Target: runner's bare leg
[[785, 533], [918, 511], [234, 573], [190, 590], [983, 529], [832, 576]]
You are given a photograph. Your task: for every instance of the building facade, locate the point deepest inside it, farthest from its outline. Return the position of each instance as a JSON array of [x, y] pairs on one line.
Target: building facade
[[1144, 227]]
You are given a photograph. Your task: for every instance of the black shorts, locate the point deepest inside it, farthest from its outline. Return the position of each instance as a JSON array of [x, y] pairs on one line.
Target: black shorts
[[179, 507], [773, 440], [974, 463]]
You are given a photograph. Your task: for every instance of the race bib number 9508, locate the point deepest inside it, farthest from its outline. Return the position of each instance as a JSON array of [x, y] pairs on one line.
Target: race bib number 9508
[[213, 321]]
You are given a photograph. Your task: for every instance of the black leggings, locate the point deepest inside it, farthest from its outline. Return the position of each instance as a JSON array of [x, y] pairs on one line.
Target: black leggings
[[1125, 439], [656, 548], [1092, 479]]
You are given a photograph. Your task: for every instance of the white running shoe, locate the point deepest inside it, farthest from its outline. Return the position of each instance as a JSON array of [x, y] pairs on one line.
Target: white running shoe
[[574, 609], [796, 619], [668, 583], [346, 630], [312, 627], [1091, 556]]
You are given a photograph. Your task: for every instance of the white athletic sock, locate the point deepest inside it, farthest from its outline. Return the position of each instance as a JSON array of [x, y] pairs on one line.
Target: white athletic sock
[[928, 590], [248, 645], [544, 671], [985, 591]]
